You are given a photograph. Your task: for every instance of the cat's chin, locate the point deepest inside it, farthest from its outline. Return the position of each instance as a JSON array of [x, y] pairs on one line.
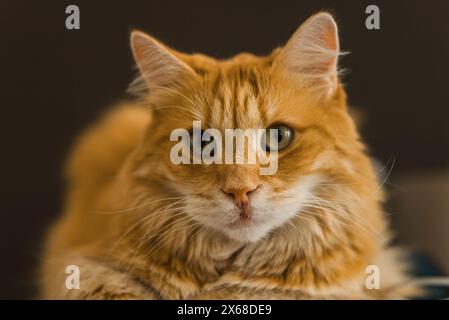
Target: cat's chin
[[245, 233]]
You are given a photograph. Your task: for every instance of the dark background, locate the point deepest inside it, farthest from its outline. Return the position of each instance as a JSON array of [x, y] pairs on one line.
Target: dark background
[[54, 81]]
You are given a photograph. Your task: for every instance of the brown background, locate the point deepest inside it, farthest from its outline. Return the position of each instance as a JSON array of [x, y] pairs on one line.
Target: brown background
[[54, 81]]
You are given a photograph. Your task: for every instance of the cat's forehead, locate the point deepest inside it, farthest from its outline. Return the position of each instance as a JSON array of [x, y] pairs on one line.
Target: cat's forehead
[[237, 96], [235, 107]]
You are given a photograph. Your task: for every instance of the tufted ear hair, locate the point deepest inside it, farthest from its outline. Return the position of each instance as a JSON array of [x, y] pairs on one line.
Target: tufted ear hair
[[311, 54], [159, 65]]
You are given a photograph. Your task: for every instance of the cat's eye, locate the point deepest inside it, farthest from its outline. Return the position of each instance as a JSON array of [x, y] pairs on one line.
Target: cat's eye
[[209, 140], [284, 135]]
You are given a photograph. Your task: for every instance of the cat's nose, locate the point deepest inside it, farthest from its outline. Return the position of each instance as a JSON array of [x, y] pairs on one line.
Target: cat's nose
[[240, 195]]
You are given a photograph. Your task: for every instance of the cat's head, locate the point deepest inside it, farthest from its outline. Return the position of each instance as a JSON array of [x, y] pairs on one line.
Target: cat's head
[[295, 90]]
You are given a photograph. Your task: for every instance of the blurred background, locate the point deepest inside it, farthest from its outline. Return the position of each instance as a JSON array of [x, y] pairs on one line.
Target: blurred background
[[55, 81]]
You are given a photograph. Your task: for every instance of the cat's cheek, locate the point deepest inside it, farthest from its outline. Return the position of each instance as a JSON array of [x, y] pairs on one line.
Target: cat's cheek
[[211, 213]]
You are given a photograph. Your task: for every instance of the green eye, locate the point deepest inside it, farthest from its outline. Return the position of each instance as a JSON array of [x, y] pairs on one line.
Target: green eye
[[203, 143], [284, 137]]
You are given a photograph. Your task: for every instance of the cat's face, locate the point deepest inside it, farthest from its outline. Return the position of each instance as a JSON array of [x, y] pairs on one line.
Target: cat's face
[[294, 90]]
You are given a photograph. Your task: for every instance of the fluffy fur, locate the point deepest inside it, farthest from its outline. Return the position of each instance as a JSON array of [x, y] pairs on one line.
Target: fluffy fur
[[140, 227]]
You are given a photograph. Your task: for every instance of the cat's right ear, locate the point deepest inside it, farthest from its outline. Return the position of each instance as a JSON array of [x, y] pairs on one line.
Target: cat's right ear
[[158, 65], [311, 54]]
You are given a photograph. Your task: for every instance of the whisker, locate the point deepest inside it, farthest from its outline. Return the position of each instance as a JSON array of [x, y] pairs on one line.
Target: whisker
[[142, 205]]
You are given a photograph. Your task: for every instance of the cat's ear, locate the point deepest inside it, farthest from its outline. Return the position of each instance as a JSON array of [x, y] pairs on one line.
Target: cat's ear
[[311, 54], [159, 65]]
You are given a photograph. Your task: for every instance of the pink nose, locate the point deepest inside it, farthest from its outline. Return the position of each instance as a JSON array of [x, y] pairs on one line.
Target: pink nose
[[240, 195]]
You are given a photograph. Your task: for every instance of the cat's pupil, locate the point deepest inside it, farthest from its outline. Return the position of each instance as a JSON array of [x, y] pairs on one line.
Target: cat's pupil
[[284, 137], [280, 135], [204, 143]]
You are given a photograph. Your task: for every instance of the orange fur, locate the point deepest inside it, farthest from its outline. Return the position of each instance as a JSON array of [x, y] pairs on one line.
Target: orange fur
[[127, 225]]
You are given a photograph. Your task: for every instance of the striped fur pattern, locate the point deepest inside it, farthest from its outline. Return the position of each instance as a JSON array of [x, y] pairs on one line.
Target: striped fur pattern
[[140, 227]]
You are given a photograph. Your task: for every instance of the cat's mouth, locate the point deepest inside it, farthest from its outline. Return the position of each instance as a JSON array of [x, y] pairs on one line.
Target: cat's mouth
[[242, 220], [242, 217]]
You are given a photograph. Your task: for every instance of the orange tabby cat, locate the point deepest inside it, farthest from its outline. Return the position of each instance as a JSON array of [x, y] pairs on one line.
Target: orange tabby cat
[[139, 226]]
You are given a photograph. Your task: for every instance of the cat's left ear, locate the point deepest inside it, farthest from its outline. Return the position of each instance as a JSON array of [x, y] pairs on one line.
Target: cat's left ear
[[159, 65], [311, 54]]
